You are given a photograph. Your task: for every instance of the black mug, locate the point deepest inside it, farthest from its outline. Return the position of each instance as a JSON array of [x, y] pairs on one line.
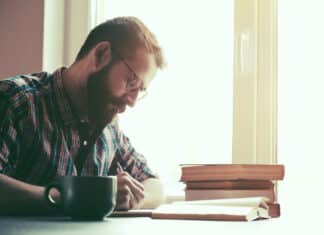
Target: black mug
[[84, 197]]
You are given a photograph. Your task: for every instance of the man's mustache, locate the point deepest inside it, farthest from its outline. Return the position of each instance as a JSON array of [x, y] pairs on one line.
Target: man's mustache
[[115, 101]]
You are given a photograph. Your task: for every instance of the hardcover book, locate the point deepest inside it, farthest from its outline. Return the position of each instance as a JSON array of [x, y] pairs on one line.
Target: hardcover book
[[230, 184], [211, 172]]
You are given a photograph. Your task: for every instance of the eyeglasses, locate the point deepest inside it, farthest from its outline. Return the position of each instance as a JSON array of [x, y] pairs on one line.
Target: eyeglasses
[[133, 80]]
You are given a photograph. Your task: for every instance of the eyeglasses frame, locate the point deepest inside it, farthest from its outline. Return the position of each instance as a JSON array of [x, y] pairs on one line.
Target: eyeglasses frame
[[129, 82]]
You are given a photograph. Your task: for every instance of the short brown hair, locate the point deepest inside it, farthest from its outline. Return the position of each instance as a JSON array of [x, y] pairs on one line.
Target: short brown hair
[[124, 34]]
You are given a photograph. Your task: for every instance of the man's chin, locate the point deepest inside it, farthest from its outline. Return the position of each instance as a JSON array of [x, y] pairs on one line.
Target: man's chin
[[111, 113], [114, 116], [122, 109]]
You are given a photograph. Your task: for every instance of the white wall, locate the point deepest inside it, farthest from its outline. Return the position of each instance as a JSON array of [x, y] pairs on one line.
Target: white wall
[[301, 85], [301, 103]]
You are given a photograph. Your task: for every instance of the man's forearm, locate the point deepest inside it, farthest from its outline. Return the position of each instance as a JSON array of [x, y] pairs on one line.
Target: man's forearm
[[154, 194], [19, 198]]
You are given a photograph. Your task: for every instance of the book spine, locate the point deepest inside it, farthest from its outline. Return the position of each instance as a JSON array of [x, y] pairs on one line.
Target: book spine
[[230, 184], [207, 194], [232, 172], [274, 210]]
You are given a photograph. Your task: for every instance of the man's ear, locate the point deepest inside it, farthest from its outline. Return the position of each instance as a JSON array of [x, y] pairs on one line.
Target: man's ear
[[101, 55]]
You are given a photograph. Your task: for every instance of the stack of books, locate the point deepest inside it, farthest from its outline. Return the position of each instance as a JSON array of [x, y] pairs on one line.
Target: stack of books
[[227, 192], [225, 181]]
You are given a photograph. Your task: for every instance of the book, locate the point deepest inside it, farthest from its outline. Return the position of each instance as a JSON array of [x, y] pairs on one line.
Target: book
[[132, 213], [210, 172], [230, 184], [274, 210], [238, 209], [171, 211], [205, 194]]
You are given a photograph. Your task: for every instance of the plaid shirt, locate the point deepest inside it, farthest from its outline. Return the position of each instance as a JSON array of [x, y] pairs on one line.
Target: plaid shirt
[[39, 136]]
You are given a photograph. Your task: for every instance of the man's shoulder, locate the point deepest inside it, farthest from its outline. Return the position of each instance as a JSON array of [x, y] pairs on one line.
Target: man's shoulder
[[23, 83], [18, 90]]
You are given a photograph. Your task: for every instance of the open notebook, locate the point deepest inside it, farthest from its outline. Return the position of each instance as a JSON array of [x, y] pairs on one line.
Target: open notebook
[[235, 209]]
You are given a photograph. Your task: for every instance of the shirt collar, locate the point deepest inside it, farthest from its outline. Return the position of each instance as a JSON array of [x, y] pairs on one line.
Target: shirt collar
[[63, 101]]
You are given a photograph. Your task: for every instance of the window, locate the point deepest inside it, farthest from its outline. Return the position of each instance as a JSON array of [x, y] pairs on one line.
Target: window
[[187, 116]]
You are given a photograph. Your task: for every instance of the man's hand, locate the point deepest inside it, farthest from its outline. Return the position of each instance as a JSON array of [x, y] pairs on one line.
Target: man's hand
[[130, 193]]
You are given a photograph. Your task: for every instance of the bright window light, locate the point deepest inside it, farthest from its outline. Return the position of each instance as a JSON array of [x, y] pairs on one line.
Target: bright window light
[[187, 115]]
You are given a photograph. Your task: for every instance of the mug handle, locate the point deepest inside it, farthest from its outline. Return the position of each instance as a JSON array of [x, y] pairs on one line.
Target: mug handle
[[48, 197]]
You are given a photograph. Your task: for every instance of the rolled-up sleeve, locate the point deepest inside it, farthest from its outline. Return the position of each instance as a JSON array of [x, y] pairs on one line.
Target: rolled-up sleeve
[[9, 144], [131, 161]]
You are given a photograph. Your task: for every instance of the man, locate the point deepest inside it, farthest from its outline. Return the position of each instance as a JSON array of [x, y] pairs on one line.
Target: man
[[65, 123]]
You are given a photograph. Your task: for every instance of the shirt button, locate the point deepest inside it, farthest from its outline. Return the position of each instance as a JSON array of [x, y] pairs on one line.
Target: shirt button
[[85, 143]]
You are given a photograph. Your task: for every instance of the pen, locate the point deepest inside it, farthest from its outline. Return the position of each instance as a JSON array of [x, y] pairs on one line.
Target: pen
[[119, 168]]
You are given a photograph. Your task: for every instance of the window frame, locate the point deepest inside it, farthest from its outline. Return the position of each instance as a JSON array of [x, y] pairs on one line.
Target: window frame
[[255, 82]]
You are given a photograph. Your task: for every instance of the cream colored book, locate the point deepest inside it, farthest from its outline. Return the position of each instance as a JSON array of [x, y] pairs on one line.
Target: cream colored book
[[236, 209]]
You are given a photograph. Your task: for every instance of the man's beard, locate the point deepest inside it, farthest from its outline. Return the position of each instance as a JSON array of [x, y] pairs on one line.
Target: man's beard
[[102, 106]]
